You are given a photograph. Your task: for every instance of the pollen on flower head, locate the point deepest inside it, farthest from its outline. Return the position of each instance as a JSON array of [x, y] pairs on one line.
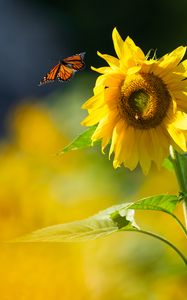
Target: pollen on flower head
[[144, 100]]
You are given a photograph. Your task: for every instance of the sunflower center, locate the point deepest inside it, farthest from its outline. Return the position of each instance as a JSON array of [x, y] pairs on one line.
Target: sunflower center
[[144, 100]]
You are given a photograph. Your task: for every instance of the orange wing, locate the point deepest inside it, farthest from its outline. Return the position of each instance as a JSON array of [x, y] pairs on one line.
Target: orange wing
[[65, 73], [51, 76], [65, 69], [75, 62]]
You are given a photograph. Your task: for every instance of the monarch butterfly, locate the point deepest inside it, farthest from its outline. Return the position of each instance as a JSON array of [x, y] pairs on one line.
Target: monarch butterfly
[[65, 69]]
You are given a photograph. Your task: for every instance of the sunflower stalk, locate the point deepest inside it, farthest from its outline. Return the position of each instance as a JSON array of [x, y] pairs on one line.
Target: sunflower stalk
[[180, 166], [166, 242]]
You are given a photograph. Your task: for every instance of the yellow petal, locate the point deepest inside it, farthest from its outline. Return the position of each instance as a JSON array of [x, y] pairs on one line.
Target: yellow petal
[[110, 80], [120, 143], [115, 136], [131, 155], [148, 66], [105, 126], [133, 70], [181, 100], [158, 145], [174, 85], [102, 70], [182, 68], [111, 60], [171, 60], [112, 95], [178, 54], [95, 116], [172, 79], [181, 121], [182, 105], [144, 155], [94, 102], [177, 136], [182, 95], [134, 51], [118, 43]]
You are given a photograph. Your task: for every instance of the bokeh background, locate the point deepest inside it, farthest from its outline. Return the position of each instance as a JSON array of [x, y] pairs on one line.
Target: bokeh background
[[40, 188]]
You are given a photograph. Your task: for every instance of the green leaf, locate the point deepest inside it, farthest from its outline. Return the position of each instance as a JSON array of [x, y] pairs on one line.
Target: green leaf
[[124, 221], [165, 203], [99, 225], [118, 217], [167, 164], [81, 142]]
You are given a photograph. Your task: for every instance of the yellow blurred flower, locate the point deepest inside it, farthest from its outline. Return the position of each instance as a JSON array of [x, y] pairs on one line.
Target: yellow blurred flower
[[39, 188], [139, 104], [34, 130]]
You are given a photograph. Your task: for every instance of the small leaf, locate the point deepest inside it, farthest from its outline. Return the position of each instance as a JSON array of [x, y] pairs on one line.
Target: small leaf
[[81, 142], [91, 228], [121, 221], [124, 217], [167, 164], [165, 203]]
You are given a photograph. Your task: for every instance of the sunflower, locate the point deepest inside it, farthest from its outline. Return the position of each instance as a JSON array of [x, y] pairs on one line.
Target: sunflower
[[139, 105]]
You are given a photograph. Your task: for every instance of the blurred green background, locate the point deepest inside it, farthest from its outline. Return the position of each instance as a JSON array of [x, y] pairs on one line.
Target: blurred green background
[[39, 188]]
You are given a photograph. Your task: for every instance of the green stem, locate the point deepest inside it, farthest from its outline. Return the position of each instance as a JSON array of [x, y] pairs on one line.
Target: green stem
[[180, 165], [166, 242], [185, 212], [180, 223]]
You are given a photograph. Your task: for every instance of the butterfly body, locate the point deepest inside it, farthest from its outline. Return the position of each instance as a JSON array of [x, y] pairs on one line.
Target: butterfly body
[[65, 69]]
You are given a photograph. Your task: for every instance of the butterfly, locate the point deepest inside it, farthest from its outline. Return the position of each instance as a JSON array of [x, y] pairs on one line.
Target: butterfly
[[65, 69]]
